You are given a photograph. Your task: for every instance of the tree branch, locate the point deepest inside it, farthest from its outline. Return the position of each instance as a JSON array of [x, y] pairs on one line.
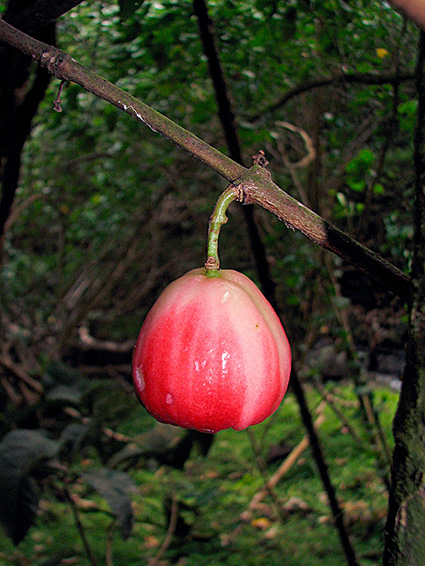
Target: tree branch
[[343, 78], [65, 68], [255, 182], [259, 189]]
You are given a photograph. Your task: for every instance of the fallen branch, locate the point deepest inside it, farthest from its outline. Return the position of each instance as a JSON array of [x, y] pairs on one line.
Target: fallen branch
[[286, 465], [20, 373], [272, 482]]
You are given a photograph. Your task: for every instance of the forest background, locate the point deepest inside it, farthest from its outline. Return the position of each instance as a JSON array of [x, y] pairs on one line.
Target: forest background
[[105, 213]]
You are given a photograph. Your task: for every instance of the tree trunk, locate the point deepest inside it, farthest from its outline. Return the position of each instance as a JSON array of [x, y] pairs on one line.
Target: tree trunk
[[405, 532], [19, 100]]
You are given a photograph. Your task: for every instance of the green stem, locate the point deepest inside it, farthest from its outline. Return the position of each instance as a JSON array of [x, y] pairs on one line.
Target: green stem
[[218, 218]]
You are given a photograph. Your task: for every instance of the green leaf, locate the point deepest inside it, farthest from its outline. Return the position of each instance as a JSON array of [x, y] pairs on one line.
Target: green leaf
[[378, 189], [129, 7], [358, 186], [63, 384], [108, 402], [74, 436], [114, 486], [23, 458]]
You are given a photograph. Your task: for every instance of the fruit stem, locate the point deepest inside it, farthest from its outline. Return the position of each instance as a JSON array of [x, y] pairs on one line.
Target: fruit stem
[[218, 218]]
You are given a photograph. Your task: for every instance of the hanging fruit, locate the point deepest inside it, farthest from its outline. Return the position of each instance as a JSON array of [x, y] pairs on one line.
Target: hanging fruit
[[212, 353]]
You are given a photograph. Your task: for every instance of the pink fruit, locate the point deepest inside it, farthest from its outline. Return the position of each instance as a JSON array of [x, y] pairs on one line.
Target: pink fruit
[[211, 354]]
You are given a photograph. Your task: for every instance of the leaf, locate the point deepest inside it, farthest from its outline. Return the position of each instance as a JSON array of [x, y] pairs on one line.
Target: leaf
[[23, 455], [129, 7], [73, 436], [63, 394], [114, 486], [108, 402], [381, 52], [63, 384]]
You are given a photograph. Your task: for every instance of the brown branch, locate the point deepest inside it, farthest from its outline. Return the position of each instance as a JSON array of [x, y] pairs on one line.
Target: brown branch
[[259, 189], [170, 532], [343, 78], [256, 182], [7, 363], [65, 68], [70, 499], [286, 465]]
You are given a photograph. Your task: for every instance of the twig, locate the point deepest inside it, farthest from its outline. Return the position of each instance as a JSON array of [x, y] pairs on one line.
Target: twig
[[308, 142], [342, 78], [340, 415], [17, 210], [170, 531], [80, 526], [109, 548], [365, 399], [13, 396], [271, 483], [287, 464], [8, 364], [268, 488], [57, 106]]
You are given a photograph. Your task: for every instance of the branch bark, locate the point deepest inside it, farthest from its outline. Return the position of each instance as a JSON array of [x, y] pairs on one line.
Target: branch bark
[[255, 182]]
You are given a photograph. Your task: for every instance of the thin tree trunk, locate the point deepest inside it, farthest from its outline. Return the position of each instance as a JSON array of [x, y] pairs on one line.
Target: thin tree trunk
[[405, 531], [18, 106], [262, 265]]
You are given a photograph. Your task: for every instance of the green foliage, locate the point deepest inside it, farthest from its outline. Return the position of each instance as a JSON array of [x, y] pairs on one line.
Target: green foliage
[[23, 458], [30, 459], [358, 169], [210, 497], [105, 202]]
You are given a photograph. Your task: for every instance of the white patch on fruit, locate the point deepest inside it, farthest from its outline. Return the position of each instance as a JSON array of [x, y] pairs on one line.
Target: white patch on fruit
[[224, 359], [140, 379], [169, 399], [225, 297], [200, 366]]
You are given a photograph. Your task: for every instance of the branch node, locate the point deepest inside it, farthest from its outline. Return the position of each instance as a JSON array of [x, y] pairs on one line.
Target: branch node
[[51, 61], [240, 193], [260, 159]]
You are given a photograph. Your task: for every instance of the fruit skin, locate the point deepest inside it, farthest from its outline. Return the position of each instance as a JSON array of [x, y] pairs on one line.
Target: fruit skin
[[211, 354]]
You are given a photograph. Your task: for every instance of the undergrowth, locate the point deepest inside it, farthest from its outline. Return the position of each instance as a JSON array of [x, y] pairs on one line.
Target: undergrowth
[[203, 514]]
